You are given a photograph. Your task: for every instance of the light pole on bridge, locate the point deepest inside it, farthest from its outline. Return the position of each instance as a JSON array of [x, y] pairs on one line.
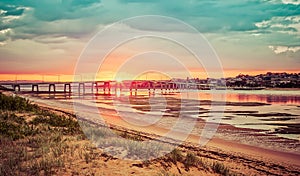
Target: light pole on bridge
[[16, 78]]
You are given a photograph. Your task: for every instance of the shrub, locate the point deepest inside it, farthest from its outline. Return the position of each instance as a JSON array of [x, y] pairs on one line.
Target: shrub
[[14, 127], [68, 124], [165, 173], [16, 103], [220, 168], [190, 160], [175, 156]]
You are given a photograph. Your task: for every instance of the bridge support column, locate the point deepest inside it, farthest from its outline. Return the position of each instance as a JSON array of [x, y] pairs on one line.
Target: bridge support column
[[133, 86], [50, 86], [176, 86], [33, 86], [149, 87], [173, 87], [120, 86], [79, 88], [94, 84], [116, 87], [106, 86], [97, 87], [67, 86], [17, 87]]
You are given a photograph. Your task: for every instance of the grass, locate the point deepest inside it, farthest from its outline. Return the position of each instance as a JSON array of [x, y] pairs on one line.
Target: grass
[[220, 168], [127, 147], [175, 156], [47, 143], [32, 147], [190, 160], [16, 103], [38, 154], [15, 127], [67, 124], [133, 137], [165, 173]]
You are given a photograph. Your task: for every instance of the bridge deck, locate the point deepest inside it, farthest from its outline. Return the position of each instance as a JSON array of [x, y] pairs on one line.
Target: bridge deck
[[105, 85]]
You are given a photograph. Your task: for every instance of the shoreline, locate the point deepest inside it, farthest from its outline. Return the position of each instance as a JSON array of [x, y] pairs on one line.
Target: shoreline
[[220, 148], [283, 89], [220, 144], [250, 156]]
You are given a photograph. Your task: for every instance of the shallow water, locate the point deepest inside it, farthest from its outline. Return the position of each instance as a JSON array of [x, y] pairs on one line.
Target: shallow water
[[274, 113]]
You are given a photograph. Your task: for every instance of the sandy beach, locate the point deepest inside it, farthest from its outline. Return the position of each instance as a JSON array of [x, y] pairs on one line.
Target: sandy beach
[[240, 159], [245, 159]]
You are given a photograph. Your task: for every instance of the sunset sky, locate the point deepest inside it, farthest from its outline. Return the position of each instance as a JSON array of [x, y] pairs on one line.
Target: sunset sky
[[46, 37]]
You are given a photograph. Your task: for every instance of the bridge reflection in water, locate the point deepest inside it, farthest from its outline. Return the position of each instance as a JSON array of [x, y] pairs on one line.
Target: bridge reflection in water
[[164, 86]]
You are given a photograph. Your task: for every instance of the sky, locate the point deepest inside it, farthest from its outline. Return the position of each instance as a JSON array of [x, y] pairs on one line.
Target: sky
[[47, 37]]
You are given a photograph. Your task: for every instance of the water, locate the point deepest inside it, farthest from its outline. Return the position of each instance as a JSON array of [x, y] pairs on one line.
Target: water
[[268, 118]]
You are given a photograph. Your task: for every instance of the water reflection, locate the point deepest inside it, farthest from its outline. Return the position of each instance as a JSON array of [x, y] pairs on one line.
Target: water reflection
[[271, 97]]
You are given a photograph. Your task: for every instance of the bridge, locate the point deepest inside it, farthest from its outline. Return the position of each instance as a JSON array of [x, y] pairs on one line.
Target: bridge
[[96, 86]]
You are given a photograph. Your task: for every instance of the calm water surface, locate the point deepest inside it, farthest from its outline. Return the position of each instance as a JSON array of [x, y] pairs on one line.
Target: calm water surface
[[277, 113]]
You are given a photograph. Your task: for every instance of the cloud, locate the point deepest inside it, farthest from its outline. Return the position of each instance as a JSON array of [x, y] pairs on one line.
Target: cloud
[[242, 27], [206, 15], [288, 24], [293, 2], [284, 49], [50, 10], [296, 2]]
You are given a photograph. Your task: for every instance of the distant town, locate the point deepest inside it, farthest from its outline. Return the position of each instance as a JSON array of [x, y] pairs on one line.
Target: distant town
[[268, 80]]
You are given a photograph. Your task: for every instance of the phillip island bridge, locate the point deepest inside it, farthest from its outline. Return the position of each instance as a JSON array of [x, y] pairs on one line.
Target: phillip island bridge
[[106, 87]]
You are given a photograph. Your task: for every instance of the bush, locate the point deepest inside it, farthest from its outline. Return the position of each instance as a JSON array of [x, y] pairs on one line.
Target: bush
[[14, 127], [220, 168], [175, 156], [190, 160], [68, 124], [165, 173], [16, 103]]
